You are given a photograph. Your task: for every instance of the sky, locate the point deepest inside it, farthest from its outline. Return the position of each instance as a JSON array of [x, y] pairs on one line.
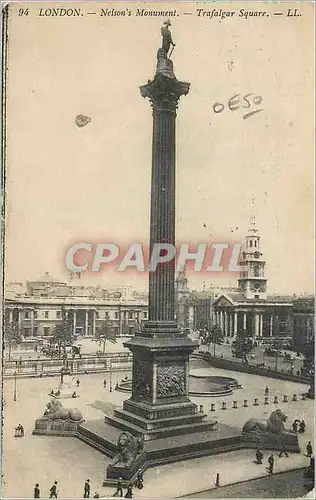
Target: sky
[[67, 184]]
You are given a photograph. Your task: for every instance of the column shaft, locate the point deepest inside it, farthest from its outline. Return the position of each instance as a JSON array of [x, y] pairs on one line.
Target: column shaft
[[162, 217]]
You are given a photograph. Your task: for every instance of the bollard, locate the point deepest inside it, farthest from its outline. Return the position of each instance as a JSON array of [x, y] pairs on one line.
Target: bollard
[[275, 401], [223, 406], [285, 398], [303, 396], [212, 407], [294, 397], [217, 480], [201, 408], [245, 403], [266, 400], [235, 404], [256, 402]]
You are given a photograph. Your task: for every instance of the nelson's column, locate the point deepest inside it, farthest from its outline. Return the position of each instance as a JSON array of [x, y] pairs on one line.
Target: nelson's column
[[159, 407]]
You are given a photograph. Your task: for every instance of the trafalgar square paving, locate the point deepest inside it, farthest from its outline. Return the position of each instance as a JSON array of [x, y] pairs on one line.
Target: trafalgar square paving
[[44, 459]]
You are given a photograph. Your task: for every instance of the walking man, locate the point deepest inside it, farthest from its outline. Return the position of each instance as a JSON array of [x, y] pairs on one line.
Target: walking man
[[78, 382], [271, 464], [37, 492], [87, 489], [266, 391], [53, 490], [259, 457], [104, 383], [119, 490], [309, 449]]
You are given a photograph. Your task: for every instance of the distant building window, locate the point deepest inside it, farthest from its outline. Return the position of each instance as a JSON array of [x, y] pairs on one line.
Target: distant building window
[[257, 297], [26, 332], [97, 315], [58, 314], [256, 271], [35, 314], [46, 314], [130, 315], [255, 243], [46, 331], [27, 315], [250, 243], [145, 314], [116, 315]]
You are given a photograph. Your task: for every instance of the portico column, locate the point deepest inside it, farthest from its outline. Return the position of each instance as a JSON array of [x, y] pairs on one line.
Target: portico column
[[32, 322], [235, 323], [19, 318], [86, 323], [225, 322], [257, 325], [120, 321], [271, 325], [75, 322], [261, 325], [245, 321], [231, 330], [93, 322], [10, 315]]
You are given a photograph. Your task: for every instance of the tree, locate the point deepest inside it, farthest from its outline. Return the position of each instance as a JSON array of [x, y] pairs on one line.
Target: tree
[[105, 333], [242, 345], [13, 335], [215, 336], [62, 333]]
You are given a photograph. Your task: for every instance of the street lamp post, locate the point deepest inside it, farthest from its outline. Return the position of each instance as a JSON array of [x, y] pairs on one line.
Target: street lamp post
[[14, 392], [110, 375]]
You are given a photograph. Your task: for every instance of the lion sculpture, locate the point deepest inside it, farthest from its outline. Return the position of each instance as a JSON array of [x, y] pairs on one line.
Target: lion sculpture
[[55, 411], [274, 424], [128, 447]]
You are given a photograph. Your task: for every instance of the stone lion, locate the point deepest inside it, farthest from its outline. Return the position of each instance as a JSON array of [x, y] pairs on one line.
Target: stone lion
[[128, 447], [274, 424], [55, 411]]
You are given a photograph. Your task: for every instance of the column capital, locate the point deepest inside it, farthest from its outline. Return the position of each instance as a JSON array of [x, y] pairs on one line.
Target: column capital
[[164, 92]]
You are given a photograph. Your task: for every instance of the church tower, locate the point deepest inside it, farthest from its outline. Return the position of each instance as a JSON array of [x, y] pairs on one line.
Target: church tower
[[253, 282]]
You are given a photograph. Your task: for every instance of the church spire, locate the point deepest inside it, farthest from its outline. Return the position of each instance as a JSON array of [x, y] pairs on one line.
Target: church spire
[[253, 282]]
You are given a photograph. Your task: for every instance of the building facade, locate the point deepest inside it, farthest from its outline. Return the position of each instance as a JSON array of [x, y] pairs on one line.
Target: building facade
[[303, 320], [38, 307]]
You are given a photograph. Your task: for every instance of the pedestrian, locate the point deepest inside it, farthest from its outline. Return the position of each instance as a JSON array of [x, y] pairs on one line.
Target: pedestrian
[[283, 451], [53, 490], [21, 430], [78, 382], [266, 391], [119, 490], [295, 425], [87, 489], [259, 457], [139, 480], [37, 492], [309, 449], [271, 464], [104, 383], [129, 492], [302, 427]]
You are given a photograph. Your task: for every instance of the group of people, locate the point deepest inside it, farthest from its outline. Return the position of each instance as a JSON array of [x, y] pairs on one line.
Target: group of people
[[19, 431], [259, 456], [139, 483], [298, 426], [53, 492]]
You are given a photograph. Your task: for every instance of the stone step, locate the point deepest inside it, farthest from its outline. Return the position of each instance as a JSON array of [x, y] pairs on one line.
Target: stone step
[[150, 434], [159, 422]]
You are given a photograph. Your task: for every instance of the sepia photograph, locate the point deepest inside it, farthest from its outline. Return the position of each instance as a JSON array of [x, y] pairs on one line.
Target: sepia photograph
[[157, 249]]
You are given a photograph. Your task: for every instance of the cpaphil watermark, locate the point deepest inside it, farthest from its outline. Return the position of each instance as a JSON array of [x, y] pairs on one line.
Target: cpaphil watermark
[[200, 258]]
